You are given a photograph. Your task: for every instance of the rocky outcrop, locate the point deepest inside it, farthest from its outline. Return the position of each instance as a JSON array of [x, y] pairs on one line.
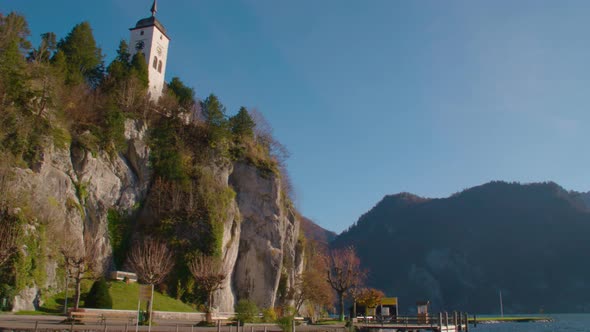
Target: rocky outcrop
[[75, 188], [268, 240]]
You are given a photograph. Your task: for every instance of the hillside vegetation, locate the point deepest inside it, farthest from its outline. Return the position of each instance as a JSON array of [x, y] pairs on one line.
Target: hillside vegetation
[[71, 121]]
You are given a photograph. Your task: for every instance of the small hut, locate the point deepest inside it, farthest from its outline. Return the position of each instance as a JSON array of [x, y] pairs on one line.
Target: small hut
[[422, 310]]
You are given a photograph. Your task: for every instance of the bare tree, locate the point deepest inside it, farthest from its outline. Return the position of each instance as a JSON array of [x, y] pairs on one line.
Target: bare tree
[[209, 276], [263, 133], [152, 260], [79, 264], [344, 273], [9, 233]]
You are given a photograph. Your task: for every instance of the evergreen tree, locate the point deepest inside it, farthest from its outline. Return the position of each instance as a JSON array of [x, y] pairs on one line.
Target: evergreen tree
[[13, 43], [127, 79], [184, 94], [215, 118], [84, 59], [99, 296], [118, 70], [58, 61], [139, 70], [214, 111], [123, 54], [242, 124], [14, 29]]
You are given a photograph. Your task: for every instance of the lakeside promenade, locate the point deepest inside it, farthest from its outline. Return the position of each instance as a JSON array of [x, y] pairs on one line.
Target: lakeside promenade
[[46, 323]]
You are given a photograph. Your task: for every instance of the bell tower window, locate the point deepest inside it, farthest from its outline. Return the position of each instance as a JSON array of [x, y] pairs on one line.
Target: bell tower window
[[155, 63], [160, 67]]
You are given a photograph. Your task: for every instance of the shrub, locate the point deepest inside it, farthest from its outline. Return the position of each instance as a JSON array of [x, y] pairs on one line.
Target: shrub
[[269, 315], [99, 296], [285, 323], [246, 311]]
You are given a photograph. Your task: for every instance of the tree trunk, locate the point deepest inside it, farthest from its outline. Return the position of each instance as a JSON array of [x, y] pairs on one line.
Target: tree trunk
[[209, 316], [341, 302], [148, 312], [77, 294]]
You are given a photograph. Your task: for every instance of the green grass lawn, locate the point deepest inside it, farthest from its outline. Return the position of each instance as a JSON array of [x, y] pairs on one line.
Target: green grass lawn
[[124, 298]]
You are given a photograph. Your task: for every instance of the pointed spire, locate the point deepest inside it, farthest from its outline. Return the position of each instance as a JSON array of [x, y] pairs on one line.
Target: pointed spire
[[154, 8]]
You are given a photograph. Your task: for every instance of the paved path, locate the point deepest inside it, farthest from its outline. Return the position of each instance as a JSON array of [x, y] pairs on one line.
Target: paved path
[[43, 323]]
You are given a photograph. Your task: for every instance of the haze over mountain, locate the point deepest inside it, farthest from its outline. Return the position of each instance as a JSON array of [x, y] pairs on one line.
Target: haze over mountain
[[315, 232], [528, 241]]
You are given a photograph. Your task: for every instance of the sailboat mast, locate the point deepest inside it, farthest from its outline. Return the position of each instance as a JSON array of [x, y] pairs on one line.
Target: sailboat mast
[[501, 306]]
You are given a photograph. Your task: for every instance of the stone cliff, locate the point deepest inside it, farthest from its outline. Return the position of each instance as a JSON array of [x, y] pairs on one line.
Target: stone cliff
[[75, 189]]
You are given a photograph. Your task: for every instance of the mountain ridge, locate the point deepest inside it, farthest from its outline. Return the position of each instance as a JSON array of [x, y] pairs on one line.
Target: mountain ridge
[[454, 251]]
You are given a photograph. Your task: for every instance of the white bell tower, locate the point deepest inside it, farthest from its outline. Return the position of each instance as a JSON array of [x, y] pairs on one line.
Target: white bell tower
[[149, 38]]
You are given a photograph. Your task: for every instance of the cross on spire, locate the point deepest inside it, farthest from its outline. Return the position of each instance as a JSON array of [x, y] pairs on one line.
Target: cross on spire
[[154, 8]]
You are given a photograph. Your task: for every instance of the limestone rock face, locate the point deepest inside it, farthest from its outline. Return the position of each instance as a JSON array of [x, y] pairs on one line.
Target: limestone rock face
[[268, 235], [224, 298], [28, 299], [75, 189]]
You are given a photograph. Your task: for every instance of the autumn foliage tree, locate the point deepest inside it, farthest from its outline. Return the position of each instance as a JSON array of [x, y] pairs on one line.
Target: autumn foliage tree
[[344, 273], [209, 276], [312, 288], [369, 297]]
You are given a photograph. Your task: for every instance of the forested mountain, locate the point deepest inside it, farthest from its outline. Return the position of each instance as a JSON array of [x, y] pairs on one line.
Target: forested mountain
[[528, 241], [315, 232]]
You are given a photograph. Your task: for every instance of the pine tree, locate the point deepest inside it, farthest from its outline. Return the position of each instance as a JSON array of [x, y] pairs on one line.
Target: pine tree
[[84, 59], [184, 94], [13, 44], [215, 118], [118, 70], [242, 124], [139, 70]]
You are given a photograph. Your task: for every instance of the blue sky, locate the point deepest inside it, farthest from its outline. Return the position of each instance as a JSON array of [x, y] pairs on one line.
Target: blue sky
[[377, 97]]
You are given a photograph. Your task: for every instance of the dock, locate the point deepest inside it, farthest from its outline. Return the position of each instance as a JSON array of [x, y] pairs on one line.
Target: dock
[[444, 322]]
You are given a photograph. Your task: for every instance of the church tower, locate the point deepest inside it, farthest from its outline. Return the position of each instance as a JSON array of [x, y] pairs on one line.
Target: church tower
[[149, 38]]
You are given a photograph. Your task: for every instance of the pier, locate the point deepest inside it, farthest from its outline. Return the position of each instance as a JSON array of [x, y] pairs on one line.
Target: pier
[[442, 323]]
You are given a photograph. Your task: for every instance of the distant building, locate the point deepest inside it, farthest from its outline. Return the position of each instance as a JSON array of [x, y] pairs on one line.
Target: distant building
[[388, 308], [149, 38], [122, 276]]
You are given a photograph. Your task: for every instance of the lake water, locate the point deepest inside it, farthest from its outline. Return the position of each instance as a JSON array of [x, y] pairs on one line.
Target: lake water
[[561, 322]]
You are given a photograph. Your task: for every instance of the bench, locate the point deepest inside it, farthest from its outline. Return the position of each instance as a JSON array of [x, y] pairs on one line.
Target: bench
[[86, 317], [102, 317], [108, 317]]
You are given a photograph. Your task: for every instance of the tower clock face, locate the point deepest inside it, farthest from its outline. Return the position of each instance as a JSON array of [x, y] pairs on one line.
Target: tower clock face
[[139, 45], [159, 50]]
